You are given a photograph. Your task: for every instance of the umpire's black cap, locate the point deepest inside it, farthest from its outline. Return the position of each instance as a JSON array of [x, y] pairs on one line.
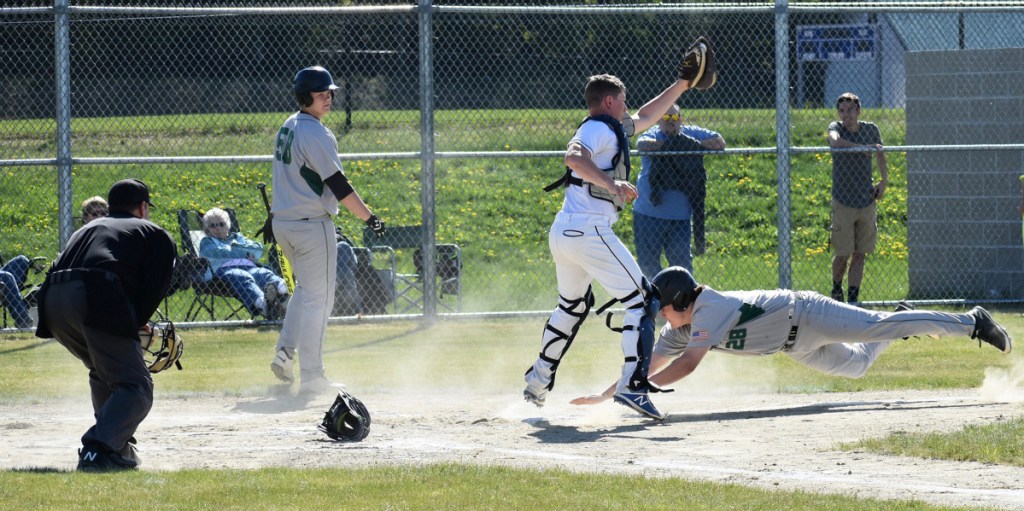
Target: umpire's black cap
[[128, 193]]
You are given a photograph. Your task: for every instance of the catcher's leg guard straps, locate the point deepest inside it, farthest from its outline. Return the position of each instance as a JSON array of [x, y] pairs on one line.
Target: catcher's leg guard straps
[[559, 332], [638, 337]]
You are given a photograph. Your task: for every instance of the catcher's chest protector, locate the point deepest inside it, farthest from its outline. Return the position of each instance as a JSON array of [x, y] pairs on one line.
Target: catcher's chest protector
[[620, 164]]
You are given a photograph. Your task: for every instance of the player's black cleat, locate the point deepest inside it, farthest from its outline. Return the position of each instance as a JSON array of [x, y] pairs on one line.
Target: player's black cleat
[[96, 458], [986, 329]]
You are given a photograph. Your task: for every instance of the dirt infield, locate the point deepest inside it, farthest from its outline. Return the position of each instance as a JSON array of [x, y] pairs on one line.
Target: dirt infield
[[765, 440]]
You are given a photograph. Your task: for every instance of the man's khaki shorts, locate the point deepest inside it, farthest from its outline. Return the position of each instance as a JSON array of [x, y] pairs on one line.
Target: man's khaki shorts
[[854, 229]]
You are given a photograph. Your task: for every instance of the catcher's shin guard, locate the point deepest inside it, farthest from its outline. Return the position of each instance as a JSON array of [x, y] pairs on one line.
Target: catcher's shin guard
[[559, 332], [637, 339]]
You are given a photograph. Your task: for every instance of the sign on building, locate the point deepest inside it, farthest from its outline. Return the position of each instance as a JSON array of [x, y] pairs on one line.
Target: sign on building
[[836, 42]]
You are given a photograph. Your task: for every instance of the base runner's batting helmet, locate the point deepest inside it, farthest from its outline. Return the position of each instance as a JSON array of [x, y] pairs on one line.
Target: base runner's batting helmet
[[674, 285], [312, 79]]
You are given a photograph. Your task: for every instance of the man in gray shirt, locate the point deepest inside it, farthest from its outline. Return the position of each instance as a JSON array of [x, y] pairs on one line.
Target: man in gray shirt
[[854, 195]]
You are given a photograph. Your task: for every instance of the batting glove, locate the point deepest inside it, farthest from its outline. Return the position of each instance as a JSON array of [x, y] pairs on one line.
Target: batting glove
[[375, 225]]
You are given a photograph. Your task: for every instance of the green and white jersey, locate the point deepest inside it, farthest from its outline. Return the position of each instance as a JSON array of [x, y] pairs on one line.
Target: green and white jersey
[[305, 154], [743, 322]]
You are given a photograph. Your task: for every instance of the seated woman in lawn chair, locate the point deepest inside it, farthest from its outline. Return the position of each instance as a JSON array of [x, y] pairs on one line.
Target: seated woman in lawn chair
[[233, 258]]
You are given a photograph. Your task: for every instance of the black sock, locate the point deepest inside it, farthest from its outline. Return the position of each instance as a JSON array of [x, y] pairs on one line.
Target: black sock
[[854, 293]]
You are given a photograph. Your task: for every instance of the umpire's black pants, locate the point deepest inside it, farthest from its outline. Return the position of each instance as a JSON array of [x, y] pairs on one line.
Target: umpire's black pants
[[122, 388]]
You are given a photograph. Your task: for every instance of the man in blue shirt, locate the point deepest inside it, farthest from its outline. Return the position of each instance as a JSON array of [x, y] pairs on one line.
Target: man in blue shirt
[[671, 193]]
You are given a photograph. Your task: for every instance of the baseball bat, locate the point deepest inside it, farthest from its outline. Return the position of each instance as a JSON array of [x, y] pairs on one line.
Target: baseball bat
[[286, 267], [263, 191]]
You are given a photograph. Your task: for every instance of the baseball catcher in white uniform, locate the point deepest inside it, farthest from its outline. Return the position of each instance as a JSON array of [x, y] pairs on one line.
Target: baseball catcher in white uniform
[[308, 184], [583, 245], [817, 331]]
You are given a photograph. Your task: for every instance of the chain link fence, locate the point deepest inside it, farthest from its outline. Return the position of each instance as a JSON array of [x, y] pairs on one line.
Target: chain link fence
[[452, 117]]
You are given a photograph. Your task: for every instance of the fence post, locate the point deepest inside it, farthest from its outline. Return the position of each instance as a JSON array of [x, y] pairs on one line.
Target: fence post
[[427, 188], [782, 142], [62, 78]]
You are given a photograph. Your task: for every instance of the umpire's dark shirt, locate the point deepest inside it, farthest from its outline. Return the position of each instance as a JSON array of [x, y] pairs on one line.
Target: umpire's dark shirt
[[139, 252]]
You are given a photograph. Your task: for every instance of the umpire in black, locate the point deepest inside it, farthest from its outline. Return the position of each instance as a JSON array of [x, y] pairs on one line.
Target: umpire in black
[[99, 292]]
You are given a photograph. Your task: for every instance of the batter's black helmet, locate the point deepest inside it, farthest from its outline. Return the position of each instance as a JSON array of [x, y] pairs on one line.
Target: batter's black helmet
[[312, 79], [674, 285]]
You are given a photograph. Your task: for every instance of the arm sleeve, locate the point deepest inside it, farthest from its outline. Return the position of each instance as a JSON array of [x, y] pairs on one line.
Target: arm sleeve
[[339, 185]]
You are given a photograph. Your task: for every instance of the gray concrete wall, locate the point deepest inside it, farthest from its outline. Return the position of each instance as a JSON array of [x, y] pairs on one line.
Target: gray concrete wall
[[963, 225]]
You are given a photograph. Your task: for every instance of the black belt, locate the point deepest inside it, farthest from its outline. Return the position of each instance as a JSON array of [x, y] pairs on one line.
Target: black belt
[[792, 338], [78, 274]]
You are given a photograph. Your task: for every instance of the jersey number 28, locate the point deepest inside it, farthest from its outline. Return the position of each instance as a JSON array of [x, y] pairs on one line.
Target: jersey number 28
[[283, 148], [737, 339]]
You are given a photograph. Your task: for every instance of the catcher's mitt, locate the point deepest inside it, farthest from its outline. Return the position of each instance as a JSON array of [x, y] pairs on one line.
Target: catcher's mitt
[[348, 420], [699, 66], [160, 355]]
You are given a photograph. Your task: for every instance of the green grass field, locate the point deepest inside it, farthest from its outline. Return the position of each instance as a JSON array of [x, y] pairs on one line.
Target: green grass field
[[440, 487], [397, 354]]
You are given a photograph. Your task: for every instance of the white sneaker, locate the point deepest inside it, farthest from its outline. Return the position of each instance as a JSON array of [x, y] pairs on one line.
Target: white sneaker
[[283, 366], [319, 385]]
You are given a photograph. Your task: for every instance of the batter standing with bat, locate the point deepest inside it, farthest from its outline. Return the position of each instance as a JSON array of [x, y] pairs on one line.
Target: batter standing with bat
[[309, 183], [581, 239], [816, 331]]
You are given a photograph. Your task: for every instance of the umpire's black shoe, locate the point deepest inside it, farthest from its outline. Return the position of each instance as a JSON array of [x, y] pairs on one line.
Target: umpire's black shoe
[[96, 458], [131, 453], [986, 329]]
